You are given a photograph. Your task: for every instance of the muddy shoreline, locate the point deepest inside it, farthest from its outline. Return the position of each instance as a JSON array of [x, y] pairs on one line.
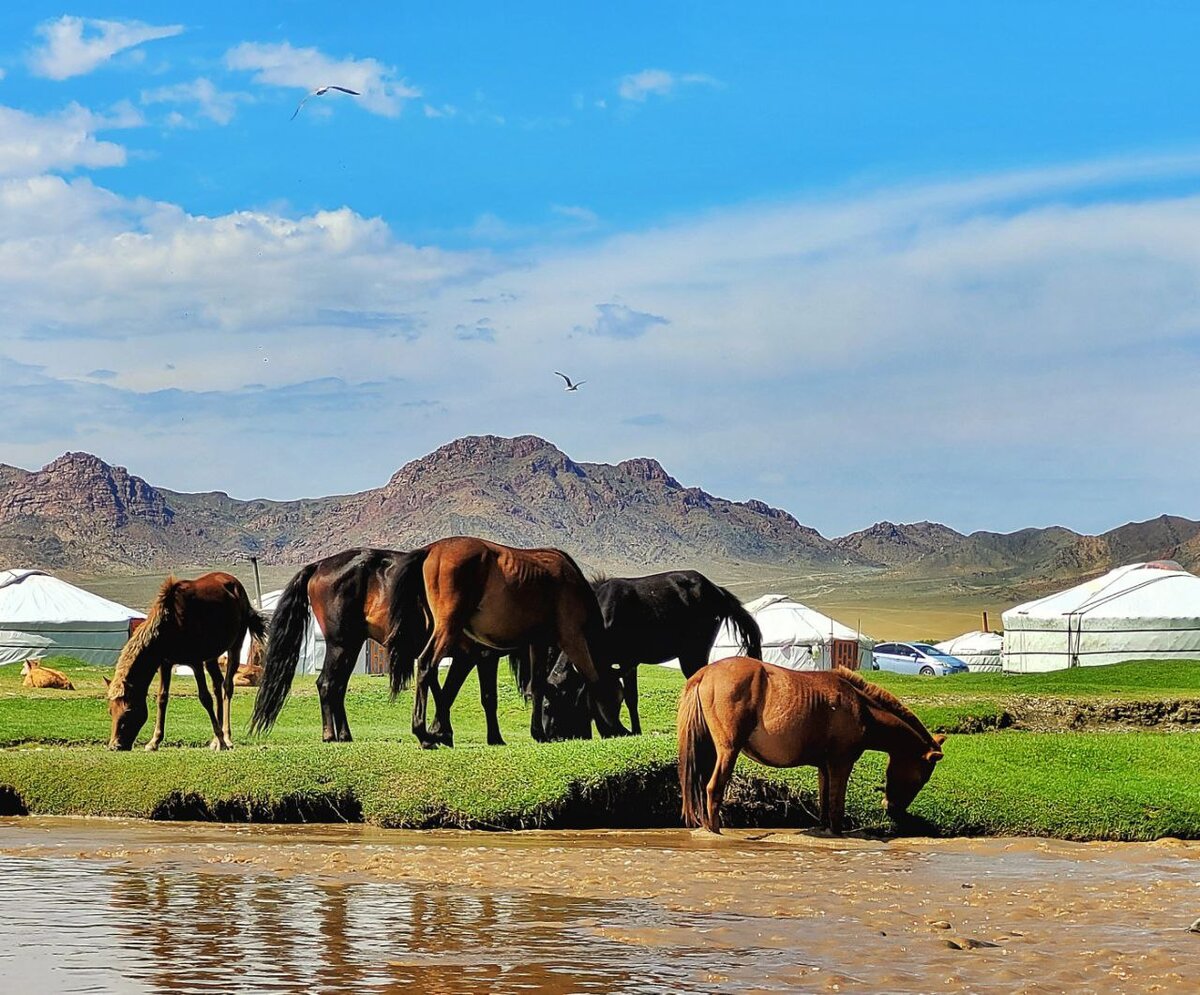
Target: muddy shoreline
[[621, 911]]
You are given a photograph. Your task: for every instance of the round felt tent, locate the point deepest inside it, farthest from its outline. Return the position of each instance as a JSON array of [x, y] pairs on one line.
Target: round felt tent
[[1142, 611], [371, 658], [798, 637], [979, 650], [41, 616]]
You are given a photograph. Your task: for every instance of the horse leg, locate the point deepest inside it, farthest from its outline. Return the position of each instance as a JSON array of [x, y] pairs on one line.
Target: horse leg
[[629, 682], [232, 662], [331, 688], [460, 665], [164, 691], [838, 777], [441, 644], [823, 796], [486, 669], [218, 689], [539, 662], [690, 663], [715, 792], [207, 702]]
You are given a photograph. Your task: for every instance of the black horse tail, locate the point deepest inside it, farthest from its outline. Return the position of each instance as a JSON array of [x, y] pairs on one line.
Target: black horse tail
[[520, 664], [697, 755], [283, 650], [256, 625], [742, 621], [409, 629]]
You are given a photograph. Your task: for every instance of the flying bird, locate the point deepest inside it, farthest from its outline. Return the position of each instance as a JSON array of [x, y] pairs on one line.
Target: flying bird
[[570, 386], [321, 91]]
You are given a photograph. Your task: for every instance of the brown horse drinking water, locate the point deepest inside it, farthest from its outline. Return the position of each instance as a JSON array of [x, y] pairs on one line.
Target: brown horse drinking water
[[191, 622], [786, 718]]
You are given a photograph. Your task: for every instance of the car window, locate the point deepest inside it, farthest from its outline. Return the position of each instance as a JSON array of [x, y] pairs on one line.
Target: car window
[[885, 648]]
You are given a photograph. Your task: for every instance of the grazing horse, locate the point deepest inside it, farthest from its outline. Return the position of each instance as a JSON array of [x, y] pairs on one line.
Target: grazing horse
[[514, 599], [191, 622], [787, 718], [355, 595], [646, 620], [36, 676]]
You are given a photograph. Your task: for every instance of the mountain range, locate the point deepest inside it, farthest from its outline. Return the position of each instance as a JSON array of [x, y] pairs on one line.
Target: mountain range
[[82, 515]]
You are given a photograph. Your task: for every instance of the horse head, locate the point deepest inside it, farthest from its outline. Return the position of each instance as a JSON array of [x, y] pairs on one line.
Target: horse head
[[907, 774], [128, 716]]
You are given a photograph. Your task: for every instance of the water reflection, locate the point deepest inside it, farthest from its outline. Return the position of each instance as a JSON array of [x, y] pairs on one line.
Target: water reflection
[[118, 927]]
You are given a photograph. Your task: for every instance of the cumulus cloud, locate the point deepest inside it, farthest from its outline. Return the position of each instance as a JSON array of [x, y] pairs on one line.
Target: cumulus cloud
[[1013, 310], [636, 87], [31, 144], [217, 105], [383, 91], [73, 46]]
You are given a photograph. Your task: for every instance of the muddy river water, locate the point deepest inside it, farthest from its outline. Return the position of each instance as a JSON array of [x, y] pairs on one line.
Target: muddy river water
[[102, 905]]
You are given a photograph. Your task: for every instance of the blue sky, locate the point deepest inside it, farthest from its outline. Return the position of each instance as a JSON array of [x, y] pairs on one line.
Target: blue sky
[[885, 261]]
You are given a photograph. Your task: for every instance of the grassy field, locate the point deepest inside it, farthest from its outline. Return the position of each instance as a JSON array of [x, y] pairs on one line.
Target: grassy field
[[1078, 785]]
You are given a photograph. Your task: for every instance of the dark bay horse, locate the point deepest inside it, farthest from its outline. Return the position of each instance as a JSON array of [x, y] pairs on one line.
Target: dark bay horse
[[191, 622], [356, 594], [788, 718], [511, 600], [646, 620]]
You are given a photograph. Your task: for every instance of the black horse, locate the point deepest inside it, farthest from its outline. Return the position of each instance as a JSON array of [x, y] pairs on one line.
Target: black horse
[[646, 620]]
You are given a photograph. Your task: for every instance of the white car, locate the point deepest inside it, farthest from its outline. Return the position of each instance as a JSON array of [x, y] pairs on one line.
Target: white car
[[916, 658]]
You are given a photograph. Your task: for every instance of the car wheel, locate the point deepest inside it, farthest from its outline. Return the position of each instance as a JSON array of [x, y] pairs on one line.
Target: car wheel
[[926, 671]]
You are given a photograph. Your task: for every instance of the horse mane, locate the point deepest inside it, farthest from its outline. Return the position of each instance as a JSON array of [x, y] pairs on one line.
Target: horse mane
[[885, 700], [598, 577], [160, 612]]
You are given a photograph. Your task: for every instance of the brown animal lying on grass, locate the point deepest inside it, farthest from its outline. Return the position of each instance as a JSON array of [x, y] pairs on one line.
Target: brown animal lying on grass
[[37, 676], [249, 674]]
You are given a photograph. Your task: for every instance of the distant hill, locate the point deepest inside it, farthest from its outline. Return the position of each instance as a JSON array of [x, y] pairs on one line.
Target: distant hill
[[82, 515]]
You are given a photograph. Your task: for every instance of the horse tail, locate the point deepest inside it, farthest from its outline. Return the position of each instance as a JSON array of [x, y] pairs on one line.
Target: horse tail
[[733, 612], [283, 650], [522, 672], [406, 613], [256, 625], [697, 755]]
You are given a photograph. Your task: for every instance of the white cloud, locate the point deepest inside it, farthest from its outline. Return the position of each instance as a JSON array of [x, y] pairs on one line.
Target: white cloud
[[216, 105], [30, 144], [73, 46], [659, 83], [968, 328], [382, 91]]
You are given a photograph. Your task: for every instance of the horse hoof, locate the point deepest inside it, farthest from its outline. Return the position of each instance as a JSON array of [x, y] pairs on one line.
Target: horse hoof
[[429, 744], [496, 742], [151, 747], [215, 744]]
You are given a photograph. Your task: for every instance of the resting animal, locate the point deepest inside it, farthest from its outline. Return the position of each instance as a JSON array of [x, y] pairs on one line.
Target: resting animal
[[37, 676]]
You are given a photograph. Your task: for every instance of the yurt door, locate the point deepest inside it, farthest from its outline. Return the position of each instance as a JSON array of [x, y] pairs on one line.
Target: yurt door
[[844, 653]]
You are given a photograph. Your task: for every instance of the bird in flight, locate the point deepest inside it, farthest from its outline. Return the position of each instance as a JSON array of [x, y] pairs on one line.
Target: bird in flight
[[321, 91], [570, 386]]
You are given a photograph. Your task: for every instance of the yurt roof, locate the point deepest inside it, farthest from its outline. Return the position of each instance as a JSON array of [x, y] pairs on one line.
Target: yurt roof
[[28, 596], [1162, 589]]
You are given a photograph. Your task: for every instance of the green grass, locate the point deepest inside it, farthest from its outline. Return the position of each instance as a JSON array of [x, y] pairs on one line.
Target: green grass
[[1073, 785]]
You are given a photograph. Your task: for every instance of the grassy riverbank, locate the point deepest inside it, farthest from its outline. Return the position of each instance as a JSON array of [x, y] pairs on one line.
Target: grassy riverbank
[[1077, 785]]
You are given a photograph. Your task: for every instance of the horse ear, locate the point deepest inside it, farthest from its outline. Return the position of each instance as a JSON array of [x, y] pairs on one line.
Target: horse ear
[[107, 682], [939, 738], [935, 752]]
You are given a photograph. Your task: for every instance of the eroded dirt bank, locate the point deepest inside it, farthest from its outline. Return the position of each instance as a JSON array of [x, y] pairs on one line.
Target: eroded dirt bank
[[185, 907]]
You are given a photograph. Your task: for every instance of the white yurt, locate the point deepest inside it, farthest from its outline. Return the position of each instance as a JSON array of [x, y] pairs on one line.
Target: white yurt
[[1137, 612], [798, 637], [42, 616], [312, 655], [979, 650]]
